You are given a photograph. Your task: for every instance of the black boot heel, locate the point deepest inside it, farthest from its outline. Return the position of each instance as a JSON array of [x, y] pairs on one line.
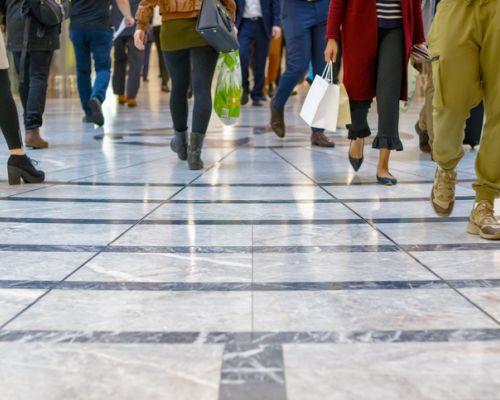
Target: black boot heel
[[21, 167], [14, 175]]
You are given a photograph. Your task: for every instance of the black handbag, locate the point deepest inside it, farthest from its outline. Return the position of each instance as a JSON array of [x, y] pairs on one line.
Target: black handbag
[[217, 27]]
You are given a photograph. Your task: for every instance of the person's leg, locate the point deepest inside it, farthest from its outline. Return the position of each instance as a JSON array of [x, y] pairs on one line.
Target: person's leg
[[298, 19], [100, 45], [81, 46], [161, 59], [457, 91], [318, 43], [203, 62], [487, 186], [260, 57], [120, 67], [135, 61], [146, 58], [179, 67], [245, 40], [24, 86], [9, 122], [390, 72], [297, 29]]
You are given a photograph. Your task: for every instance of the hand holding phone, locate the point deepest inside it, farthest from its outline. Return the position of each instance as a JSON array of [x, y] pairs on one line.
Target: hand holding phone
[[421, 54]]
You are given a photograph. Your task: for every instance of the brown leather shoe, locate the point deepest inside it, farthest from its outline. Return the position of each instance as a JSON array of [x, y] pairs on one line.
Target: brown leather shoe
[[423, 139], [319, 138], [33, 139], [277, 121]]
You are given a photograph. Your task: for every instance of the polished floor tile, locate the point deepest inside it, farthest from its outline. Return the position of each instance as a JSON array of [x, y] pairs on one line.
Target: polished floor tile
[[393, 371], [96, 371]]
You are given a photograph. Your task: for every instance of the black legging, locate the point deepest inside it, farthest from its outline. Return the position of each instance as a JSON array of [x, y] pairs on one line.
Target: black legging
[[9, 120], [194, 66]]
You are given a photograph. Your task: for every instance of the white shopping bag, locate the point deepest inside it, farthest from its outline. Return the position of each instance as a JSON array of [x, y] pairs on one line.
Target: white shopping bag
[[321, 106]]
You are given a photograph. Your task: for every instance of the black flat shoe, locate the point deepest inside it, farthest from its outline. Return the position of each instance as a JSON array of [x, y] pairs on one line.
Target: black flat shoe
[[356, 162], [386, 181], [21, 167]]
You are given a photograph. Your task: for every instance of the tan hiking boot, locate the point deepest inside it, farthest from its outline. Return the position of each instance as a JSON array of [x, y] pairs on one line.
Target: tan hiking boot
[[443, 191], [33, 139], [483, 222]]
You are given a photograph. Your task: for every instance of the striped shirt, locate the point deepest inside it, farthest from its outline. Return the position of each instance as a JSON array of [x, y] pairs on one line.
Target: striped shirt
[[389, 13]]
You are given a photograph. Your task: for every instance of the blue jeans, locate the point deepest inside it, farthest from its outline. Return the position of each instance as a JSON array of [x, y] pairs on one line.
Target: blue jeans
[[254, 43], [96, 44], [304, 25]]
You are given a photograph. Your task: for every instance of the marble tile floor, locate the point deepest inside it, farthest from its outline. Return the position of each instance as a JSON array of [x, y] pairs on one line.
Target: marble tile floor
[[276, 273]]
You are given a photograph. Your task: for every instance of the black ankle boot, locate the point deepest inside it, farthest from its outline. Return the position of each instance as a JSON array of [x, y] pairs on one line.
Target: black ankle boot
[[194, 150], [22, 167], [178, 144]]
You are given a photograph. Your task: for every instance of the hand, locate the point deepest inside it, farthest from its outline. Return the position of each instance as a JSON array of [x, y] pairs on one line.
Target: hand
[[276, 34], [139, 39], [331, 51], [129, 22], [418, 58]]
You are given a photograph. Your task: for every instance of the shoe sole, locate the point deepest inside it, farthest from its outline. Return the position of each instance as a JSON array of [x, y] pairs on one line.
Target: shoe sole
[[438, 209], [473, 229]]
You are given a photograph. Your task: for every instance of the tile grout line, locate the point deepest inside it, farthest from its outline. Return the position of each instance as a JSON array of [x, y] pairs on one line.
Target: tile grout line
[[470, 301], [216, 164]]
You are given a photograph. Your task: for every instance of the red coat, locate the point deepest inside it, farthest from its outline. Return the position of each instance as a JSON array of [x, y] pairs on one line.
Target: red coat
[[358, 21]]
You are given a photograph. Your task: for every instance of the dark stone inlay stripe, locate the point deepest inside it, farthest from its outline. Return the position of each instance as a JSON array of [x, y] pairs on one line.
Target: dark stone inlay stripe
[[255, 338], [354, 221], [248, 286], [157, 201], [298, 184], [248, 249]]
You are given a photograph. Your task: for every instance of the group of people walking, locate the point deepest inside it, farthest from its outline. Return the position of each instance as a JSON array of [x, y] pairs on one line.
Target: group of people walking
[[373, 39]]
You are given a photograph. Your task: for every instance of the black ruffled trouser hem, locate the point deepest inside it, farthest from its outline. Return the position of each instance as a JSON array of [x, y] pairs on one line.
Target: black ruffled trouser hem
[[383, 142]]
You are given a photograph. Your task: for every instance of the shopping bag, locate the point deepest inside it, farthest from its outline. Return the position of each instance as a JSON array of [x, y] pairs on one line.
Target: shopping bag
[[344, 108], [321, 106], [227, 99]]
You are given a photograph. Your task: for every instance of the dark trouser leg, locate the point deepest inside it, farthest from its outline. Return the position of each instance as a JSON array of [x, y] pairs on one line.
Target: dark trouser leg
[[318, 41], [100, 45], [81, 47], [389, 82], [179, 67], [260, 56], [120, 66], [474, 126], [298, 46], [34, 89], [135, 61], [147, 57], [359, 127], [161, 59], [24, 87], [9, 122], [203, 61], [246, 40]]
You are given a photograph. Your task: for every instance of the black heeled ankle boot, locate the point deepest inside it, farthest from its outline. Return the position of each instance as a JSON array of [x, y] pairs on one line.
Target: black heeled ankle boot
[[194, 150], [178, 144], [21, 167]]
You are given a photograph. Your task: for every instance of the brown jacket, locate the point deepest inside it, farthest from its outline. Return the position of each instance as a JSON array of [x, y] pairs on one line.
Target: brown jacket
[[174, 9]]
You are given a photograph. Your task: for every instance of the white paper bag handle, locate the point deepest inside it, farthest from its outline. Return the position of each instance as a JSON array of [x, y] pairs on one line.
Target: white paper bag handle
[[328, 72]]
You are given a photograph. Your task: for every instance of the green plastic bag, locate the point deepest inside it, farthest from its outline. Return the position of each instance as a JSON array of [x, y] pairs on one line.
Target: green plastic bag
[[227, 100]]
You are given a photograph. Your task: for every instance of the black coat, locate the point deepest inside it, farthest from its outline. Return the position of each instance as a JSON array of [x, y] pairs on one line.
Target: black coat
[[41, 38]]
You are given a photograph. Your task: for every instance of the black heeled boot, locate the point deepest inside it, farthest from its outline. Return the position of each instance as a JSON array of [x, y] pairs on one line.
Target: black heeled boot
[[21, 167], [194, 150], [178, 144]]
